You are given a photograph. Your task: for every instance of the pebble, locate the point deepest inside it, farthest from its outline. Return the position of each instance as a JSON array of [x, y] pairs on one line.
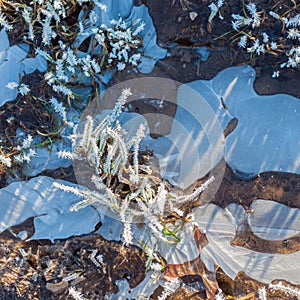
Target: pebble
[[193, 15]]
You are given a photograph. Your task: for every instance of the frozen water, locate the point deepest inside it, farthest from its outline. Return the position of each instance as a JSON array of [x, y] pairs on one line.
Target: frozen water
[[220, 228], [13, 64], [266, 137], [45, 159], [142, 291], [50, 208], [195, 144], [274, 221], [49, 205], [203, 52]]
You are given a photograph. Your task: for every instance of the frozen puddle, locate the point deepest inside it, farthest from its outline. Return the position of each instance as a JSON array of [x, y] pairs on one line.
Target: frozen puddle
[[266, 137], [220, 227], [13, 64], [274, 221], [50, 206]]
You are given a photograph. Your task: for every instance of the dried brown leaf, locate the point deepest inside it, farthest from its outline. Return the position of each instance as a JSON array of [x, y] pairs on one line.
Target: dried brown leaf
[[195, 267]]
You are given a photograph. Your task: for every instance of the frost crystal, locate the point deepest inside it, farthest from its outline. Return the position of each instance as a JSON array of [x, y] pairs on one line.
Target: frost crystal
[[6, 161]]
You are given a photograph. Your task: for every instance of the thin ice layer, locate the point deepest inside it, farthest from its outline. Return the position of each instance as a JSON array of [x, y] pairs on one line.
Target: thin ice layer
[[13, 64], [266, 136], [220, 228], [271, 220], [49, 205]]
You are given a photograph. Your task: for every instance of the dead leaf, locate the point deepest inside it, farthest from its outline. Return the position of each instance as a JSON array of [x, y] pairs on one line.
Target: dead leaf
[[195, 267], [57, 287]]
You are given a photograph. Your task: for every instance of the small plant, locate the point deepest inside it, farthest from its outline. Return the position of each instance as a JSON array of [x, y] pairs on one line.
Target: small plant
[[5, 160], [124, 178], [112, 47], [14, 152], [25, 150], [214, 10], [256, 31], [23, 89], [262, 293], [21, 153], [169, 287], [289, 291]]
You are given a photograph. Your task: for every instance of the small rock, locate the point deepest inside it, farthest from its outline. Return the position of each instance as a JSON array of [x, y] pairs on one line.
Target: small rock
[[193, 15], [23, 235], [57, 287]]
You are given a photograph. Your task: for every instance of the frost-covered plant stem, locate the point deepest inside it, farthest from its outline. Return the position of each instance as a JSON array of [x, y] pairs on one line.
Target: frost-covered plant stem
[[288, 290], [123, 183]]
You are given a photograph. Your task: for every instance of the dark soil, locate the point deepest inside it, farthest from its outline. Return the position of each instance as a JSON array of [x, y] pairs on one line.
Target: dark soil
[[40, 274]]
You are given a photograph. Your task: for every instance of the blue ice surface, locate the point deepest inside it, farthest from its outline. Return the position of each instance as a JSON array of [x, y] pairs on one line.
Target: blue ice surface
[[267, 134], [203, 52], [219, 226], [48, 160], [274, 221], [13, 64], [49, 205]]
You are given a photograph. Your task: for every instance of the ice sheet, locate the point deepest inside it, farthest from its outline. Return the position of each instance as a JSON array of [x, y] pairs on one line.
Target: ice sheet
[[13, 63]]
